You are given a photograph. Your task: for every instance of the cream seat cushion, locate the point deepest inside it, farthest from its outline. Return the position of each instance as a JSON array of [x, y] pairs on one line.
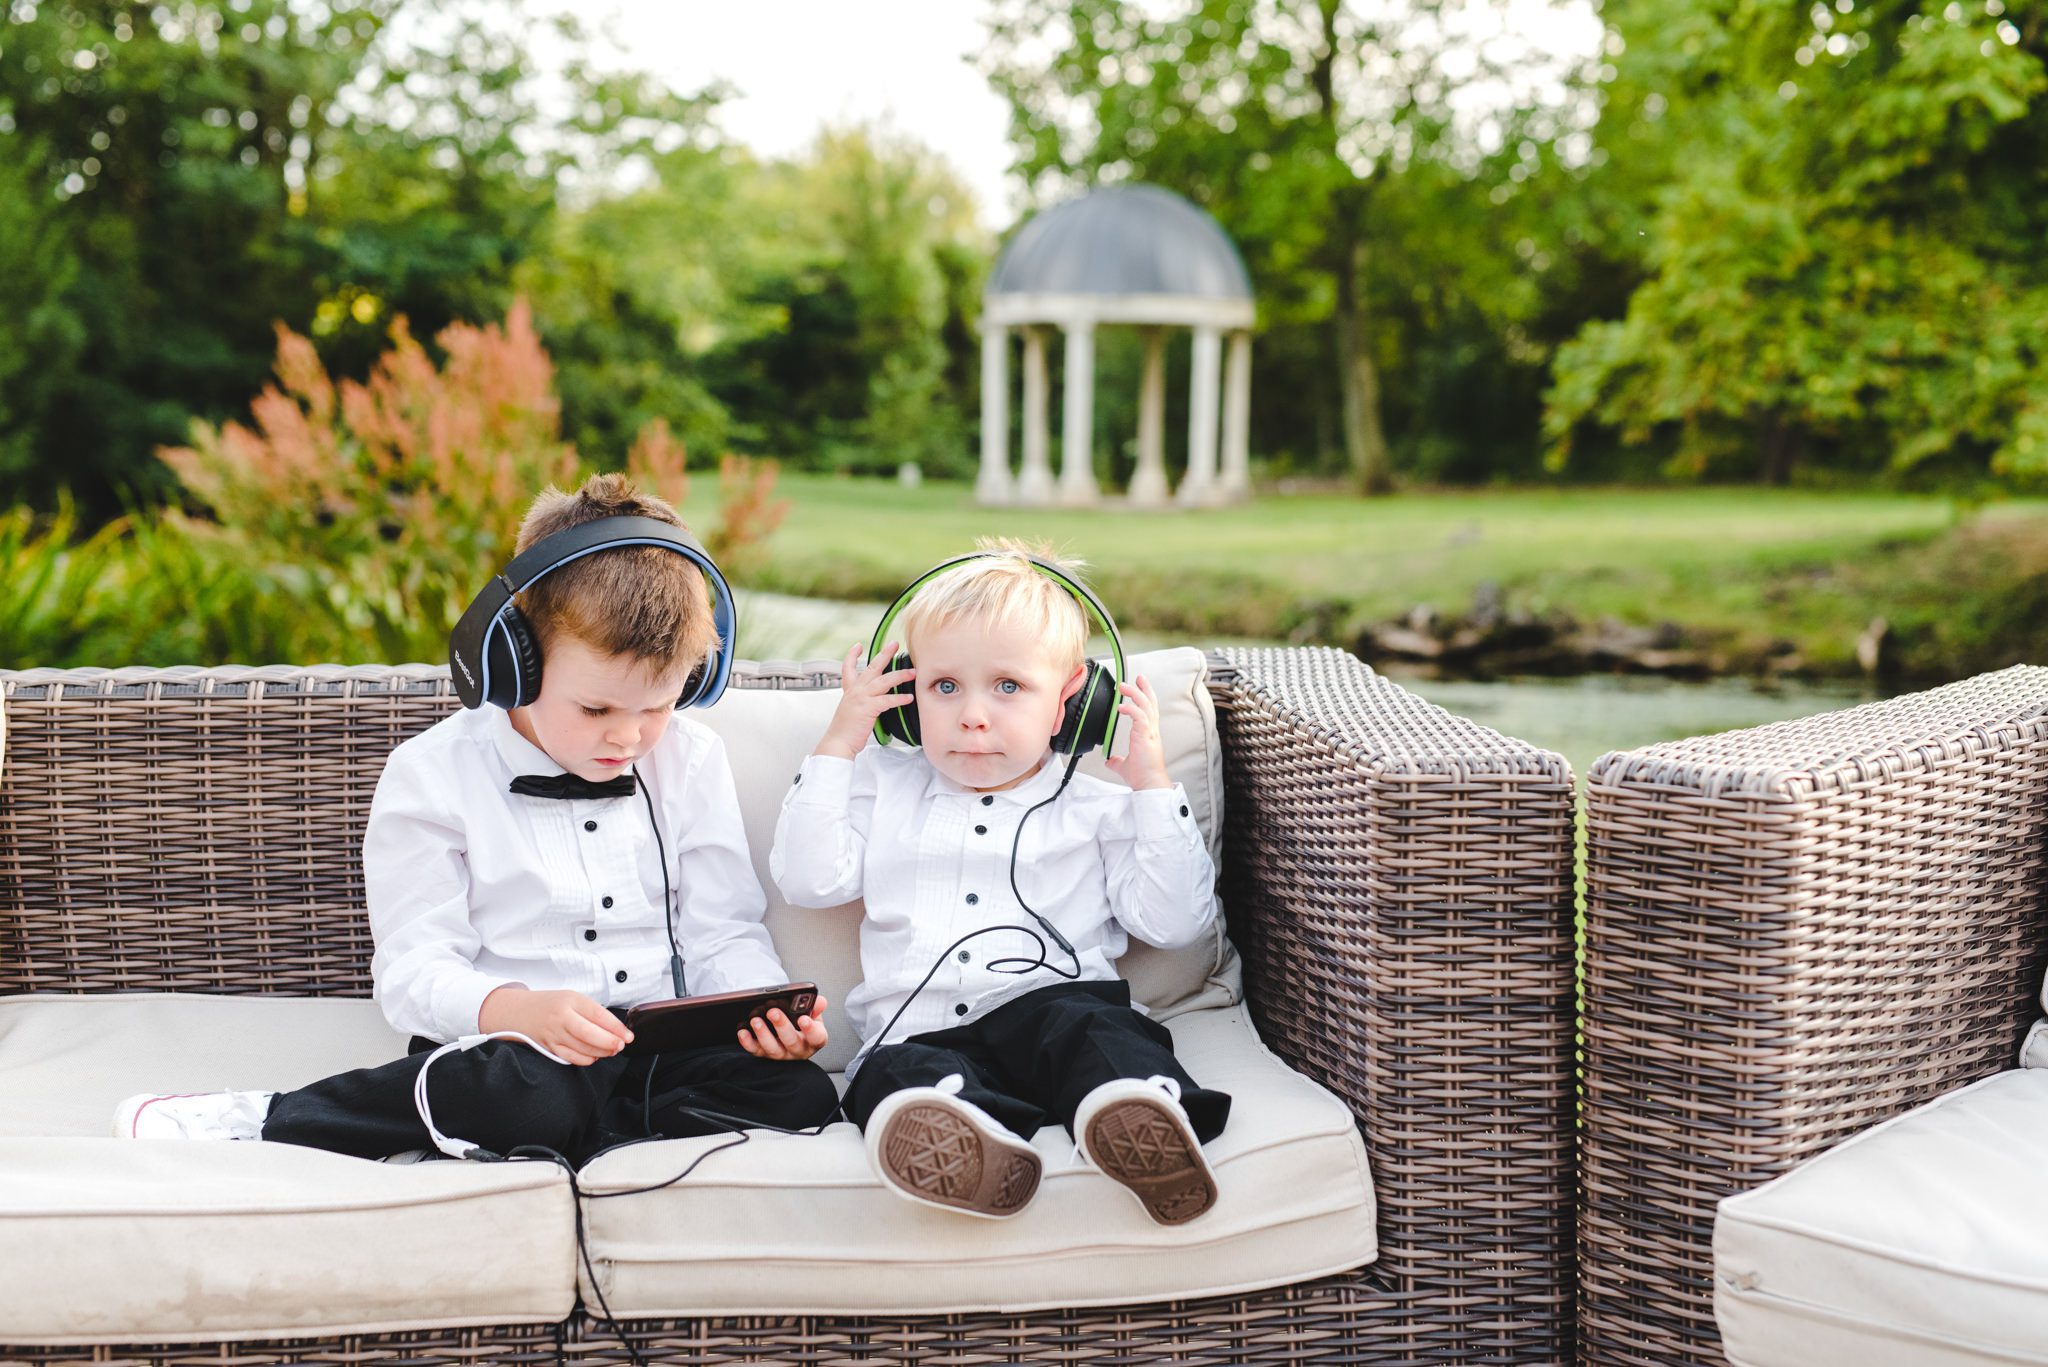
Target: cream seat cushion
[[178, 1240], [118, 1240], [788, 1224], [1922, 1242]]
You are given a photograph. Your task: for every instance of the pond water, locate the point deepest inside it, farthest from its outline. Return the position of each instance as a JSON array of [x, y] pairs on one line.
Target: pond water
[[1584, 717], [1581, 717]]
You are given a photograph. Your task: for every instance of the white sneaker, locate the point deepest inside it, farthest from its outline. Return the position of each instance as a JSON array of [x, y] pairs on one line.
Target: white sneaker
[[929, 1146], [194, 1115], [1138, 1135]]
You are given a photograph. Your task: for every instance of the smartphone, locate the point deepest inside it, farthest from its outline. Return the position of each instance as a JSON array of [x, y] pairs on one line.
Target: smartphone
[[693, 1022]]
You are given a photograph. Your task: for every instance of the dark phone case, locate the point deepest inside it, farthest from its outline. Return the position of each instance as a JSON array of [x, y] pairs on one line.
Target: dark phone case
[[693, 1022]]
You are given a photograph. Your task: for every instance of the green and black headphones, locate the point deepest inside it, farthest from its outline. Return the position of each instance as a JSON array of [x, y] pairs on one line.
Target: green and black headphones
[[1090, 717]]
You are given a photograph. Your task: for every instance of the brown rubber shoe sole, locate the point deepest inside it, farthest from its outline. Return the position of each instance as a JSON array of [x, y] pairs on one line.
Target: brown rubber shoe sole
[[933, 1152], [1143, 1144]]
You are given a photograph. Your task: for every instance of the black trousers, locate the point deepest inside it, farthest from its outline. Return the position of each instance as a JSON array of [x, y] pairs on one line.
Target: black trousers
[[1032, 1060], [503, 1094]]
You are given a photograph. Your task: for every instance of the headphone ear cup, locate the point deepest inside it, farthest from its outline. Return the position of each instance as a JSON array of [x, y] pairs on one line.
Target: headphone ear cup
[[699, 679], [515, 658], [1089, 713], [900, 723]]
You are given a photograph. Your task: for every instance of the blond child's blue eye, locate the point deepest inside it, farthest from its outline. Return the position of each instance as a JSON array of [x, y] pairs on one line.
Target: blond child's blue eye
[[1007, 686], [945, 686]]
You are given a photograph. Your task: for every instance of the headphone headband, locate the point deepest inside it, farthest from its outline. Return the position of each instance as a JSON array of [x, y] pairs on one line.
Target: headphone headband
[[1079, 591], [492, 635]]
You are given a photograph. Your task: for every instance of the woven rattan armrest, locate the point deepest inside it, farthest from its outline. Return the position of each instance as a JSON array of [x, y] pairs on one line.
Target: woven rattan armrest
[[1398, 880], [1793, 932]]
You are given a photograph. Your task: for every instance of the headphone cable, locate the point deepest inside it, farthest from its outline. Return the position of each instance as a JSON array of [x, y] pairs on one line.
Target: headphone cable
[[668, 915], [997, 965]]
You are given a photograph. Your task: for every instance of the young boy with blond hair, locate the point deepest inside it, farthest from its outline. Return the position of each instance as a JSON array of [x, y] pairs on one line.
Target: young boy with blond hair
[[972, 1040], [517, 889]]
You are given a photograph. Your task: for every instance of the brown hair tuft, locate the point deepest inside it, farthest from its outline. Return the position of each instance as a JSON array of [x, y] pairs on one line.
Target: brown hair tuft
[[644, 602]]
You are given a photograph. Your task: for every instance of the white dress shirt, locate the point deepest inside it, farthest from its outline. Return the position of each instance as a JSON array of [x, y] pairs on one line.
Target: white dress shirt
[[472, 887], [932, 860]]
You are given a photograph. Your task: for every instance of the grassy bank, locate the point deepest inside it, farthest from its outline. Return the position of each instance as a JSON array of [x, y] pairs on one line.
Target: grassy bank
[[1742, 573]]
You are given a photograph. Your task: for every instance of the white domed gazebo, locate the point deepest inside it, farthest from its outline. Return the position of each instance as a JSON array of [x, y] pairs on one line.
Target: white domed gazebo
[[1138, 256]]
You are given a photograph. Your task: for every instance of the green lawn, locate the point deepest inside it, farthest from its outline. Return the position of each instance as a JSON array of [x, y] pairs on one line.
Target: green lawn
[[1738, 566]]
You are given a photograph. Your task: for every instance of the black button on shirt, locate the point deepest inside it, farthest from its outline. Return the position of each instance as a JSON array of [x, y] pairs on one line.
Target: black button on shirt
[[590, 935], [959, 1008], [972, 899], [988, 801], [607, 902], [964, 956], [590, 825], [981, 830], [619, 976]]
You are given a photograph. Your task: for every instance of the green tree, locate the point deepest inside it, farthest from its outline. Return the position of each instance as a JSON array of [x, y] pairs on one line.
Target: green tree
[[1324, 137], [636, 285], [867, 272], [436, 190], [38, 269], [898, 228], [1841, 209], [158, 143], [215, 167]]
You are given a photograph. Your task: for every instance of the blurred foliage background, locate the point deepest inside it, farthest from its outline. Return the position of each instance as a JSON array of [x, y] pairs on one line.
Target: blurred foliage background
[[176, 179], [1743, 242]]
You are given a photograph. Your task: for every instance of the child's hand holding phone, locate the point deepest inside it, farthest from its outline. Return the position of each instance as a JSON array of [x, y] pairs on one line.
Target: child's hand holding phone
[[776, 1036], [563, 1022]]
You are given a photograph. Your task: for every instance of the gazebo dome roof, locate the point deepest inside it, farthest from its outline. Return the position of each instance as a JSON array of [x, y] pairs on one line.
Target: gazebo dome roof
[[1126, 254], [1123, 239]]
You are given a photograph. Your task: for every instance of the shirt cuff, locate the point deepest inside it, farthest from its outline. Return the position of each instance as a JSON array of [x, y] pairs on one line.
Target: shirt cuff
[[1164, 814], [822, 781], [458, 1004]]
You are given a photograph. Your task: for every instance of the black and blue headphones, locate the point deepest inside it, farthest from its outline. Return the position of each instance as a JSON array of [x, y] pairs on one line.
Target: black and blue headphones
[[1090, 717], [494, 655]]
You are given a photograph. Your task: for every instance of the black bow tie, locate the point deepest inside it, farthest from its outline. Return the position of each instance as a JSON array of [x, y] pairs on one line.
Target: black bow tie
[[569, 785]]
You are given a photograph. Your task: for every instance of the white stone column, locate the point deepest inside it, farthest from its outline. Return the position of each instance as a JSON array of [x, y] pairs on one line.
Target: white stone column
[[1148, 481], [1237, 419], [1077, 428], [1200, 484], [993, 485], [1034, 481]]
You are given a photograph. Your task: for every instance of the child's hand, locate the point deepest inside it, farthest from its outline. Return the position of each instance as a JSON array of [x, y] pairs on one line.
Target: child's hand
[[565, 1023], [1144, 762], [775, 1037], [864, 696]]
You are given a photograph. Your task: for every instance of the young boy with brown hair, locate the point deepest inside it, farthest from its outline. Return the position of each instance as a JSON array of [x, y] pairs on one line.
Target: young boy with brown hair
[[517, 888], [936, 840]]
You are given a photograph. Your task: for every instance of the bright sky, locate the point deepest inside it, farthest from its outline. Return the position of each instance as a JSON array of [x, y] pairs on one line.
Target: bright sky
[[798, 66]]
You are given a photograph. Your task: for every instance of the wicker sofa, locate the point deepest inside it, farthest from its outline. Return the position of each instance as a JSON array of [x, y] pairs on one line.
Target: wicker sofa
[[1794, 934], [197, 832]]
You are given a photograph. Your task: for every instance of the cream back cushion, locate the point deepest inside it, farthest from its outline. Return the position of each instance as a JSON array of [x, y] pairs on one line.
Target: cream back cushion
[[767, 733]]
